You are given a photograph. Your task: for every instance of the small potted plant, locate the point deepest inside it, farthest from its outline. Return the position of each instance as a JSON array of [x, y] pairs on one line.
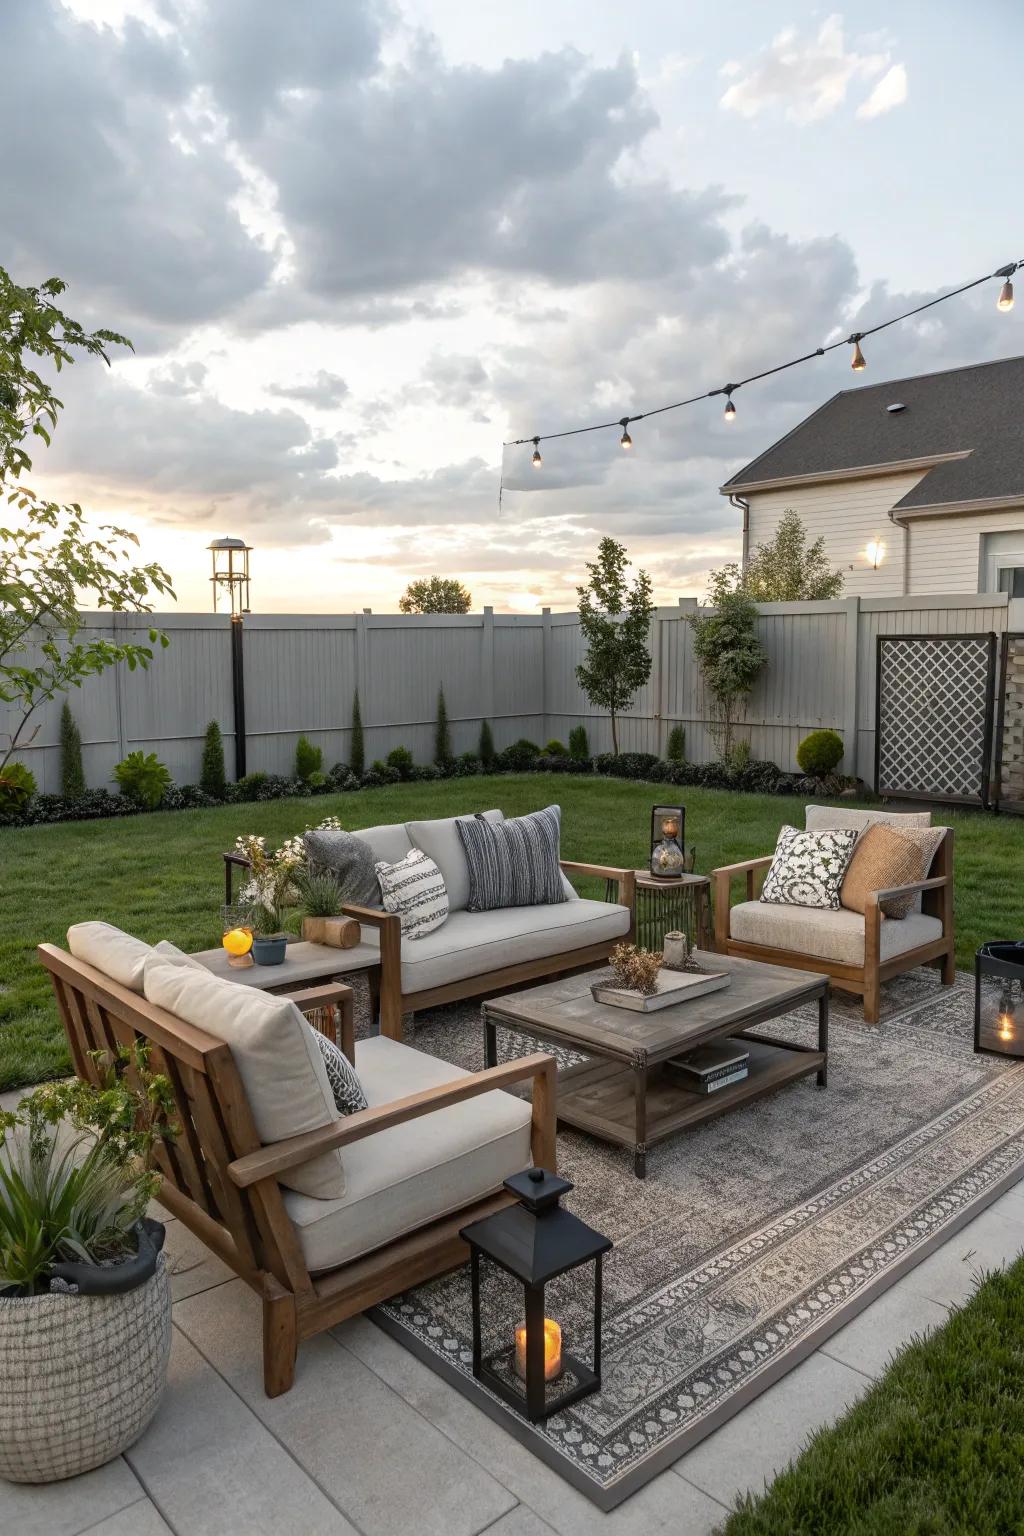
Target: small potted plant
[[85, 1305], [268, 893], [322, 919]]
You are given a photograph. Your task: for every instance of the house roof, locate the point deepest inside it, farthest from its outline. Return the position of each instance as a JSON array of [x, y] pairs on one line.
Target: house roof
[[973, 413]]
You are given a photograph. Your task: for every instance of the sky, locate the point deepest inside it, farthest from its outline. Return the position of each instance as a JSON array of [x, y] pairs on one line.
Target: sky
[[360, 244]]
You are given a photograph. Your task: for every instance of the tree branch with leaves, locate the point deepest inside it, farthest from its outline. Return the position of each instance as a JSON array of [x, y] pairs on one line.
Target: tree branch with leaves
[[50, 560], [615, 619]]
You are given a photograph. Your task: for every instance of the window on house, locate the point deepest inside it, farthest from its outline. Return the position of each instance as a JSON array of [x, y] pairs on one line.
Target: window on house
[[1011, 580]]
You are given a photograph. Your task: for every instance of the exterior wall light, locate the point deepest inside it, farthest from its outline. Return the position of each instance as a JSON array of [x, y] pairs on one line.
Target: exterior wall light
[[875, 553]]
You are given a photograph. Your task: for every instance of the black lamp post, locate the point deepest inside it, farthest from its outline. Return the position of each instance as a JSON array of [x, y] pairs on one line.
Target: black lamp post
[[536, 1245], [999, 999], [230, 559]]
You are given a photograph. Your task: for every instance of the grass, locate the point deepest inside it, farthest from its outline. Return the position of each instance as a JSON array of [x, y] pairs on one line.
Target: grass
[[935, 1448], [160, 876]]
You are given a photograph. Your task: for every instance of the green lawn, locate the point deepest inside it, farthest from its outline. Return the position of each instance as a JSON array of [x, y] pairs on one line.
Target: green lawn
[[160, 876], [936, 1448]]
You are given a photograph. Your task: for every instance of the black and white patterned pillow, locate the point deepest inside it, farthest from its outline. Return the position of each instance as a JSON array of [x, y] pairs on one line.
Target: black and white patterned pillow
[[415, 889], [808, 868], [513, 863], [341, 1074]]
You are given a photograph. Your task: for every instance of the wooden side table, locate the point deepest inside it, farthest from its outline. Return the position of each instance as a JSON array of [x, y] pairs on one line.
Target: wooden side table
[[682, 905]]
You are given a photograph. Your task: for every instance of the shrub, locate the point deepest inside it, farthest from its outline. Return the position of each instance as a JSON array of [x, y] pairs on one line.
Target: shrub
[[625, 765], [579, 744], [424, 773], [675, 752], [357, 751], [249, 786], [556, 749], [142, 777], [820, 752], [520, 757], [186, 797], [400, 758], [466, 764], [17, 786], [485, 750], [72, 774], [371, 779], [318, 779], [443, 755], [739, 757], [212, 778], [308, 759]]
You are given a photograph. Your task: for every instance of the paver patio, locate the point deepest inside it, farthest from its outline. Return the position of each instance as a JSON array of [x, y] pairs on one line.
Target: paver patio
[[370, 1440]]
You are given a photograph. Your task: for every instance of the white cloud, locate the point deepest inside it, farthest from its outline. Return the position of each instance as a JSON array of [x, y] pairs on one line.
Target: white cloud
[[891, 91], [806, 77]]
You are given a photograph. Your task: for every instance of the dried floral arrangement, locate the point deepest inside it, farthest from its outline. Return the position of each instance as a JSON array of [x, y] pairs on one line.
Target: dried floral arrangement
[[635, 969]]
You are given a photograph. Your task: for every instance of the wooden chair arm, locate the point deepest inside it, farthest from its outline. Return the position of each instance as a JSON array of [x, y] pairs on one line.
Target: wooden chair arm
[[232, 861], [601, 871], [280, 1156], [373, 917], [875, 898], [729, 870], [721, 886], [324, 996]]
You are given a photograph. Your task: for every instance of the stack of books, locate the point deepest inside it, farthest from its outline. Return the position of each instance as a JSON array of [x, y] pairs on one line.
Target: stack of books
[[710, 1067]]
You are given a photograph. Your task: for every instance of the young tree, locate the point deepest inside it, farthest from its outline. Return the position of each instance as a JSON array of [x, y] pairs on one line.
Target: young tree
[[443, 754], [787, 569], [357, 750], [212, 777], [728, 651], [48, 559], [72, 774], [615, 620], [485, 749], [435, 594]]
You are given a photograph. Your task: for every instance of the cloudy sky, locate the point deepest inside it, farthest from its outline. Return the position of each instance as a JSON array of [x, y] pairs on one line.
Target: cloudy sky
[[359, 243]]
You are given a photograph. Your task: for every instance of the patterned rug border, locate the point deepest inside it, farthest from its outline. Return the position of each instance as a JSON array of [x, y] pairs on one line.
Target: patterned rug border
[[858, 1277], [609, 1496]]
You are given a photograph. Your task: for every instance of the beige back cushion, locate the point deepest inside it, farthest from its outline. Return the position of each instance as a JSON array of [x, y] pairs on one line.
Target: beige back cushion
[[882, 858], [825, 818], [441, 842], [116, 953], [388, 844], [281, 1067]]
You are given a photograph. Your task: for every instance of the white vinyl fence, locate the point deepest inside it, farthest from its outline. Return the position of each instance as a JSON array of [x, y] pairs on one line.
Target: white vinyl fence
[[518, 671]]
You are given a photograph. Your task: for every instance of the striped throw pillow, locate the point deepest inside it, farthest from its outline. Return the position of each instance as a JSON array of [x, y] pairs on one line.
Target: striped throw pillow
[[415, 889], [513, 863]]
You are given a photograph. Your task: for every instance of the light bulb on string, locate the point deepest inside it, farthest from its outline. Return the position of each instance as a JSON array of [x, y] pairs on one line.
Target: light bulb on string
[[857, 362], [536, 461], [730, 410], [625, 441], [1005, 299]]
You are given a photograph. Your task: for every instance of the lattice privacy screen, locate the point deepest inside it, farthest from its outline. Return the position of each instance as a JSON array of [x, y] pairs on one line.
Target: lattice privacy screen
[[935, 703]]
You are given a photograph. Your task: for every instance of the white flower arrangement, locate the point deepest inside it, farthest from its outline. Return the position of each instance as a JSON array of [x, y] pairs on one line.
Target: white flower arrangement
[[270, 888]]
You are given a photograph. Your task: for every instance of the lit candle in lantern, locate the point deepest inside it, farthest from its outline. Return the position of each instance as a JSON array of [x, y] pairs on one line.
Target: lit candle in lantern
[[552, 1351], [1005, 1026]]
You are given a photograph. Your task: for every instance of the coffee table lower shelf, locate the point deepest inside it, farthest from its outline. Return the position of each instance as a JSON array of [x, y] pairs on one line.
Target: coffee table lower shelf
[[599, 1096]]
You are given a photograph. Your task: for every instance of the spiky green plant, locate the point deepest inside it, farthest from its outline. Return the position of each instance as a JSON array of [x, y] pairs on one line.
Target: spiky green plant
[[319, 893]]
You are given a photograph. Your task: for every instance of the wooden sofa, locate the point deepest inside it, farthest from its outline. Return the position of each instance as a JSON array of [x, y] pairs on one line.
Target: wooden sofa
[[223, 1183], [881, 958], [397, 994]]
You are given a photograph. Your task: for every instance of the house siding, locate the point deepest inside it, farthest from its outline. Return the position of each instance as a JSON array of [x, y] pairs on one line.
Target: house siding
[[932, 554]]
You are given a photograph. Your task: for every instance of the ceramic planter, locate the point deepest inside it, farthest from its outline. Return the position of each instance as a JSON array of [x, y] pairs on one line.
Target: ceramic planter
[[84, 1368], [269, 949]]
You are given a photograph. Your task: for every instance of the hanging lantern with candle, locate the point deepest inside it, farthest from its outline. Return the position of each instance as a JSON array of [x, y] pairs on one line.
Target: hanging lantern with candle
[[668, 823], [527, 1261], [999, 999], [236, 937]]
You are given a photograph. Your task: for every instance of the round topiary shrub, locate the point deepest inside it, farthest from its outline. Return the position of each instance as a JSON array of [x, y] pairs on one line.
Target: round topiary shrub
[[820, 752]]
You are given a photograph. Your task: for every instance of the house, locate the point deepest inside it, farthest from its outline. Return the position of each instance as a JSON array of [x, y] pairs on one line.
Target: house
[[916, 485]]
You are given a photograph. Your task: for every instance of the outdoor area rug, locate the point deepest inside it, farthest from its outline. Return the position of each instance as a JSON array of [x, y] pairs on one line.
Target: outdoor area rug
[[755, 1236]]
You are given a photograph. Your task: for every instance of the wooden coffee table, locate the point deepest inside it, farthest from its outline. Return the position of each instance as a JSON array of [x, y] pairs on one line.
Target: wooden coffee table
[[624, 1094]]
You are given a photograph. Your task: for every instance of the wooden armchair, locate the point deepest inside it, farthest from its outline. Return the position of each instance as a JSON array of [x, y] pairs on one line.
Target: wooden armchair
[[386, 982], [877, 966], [222, 1183]]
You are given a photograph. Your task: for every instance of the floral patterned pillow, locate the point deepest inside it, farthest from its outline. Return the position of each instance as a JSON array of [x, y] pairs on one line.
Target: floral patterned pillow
[[808, 868]]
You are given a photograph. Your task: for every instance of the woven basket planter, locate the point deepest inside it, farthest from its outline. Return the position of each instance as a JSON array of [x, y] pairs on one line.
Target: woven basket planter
[[80, 1377]]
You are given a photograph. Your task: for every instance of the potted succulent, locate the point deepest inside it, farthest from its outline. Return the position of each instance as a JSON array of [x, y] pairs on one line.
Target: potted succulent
[[322, 919], [85, 1306]]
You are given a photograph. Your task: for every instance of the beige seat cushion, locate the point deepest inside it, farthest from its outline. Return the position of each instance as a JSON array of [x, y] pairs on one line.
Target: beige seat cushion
[[472, 943], [278, 1060], [881, 859], [405, 1177], [117, 954], [440, 840], [837, 936]]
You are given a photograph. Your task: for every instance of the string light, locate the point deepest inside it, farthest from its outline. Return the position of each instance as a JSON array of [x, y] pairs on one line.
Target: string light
[[858, 363]]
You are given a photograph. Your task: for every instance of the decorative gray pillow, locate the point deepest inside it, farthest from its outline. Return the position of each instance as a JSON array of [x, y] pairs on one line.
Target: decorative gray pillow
[[349, 860], [341, 1074], [808, 868], [513, 863], [415, 889]]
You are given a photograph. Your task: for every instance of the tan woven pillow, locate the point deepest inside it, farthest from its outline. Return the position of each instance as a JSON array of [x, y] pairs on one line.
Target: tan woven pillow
[[882, 858]]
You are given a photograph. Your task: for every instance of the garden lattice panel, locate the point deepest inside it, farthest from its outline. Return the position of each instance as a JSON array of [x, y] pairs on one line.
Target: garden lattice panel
[[935, 710]]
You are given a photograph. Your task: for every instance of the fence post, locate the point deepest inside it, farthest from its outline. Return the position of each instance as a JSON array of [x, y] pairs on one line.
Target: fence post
[[851, 669], [545, 614], [119, 623], [238, 692], [487, 666]]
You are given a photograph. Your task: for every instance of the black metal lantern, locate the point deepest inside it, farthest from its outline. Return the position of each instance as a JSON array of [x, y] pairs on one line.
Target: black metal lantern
[[668, 828], [999, 999], [529, 1253]]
